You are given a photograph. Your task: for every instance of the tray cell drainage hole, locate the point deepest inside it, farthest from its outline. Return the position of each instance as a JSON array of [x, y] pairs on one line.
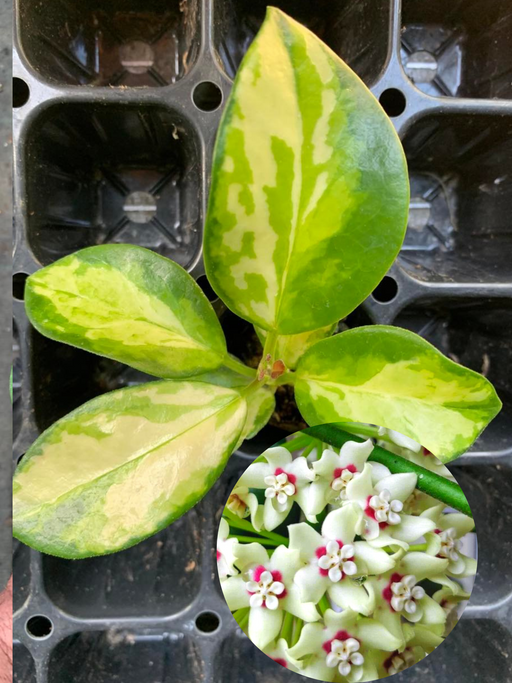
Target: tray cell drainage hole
[[386, 290], [136, 57], [39, 627], [207, 622], [20, 92], [18, 285], [207, 96], [140, 207], [393, 102], [208, 290]]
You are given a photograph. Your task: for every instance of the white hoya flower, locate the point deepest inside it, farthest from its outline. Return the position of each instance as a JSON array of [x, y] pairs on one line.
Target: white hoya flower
[[334, 471], [284, 481], [242, 502], [334, 558], [340, 646], [385, 522], [421, 641], [266, 586], [398, 596], [225, 551], [445, 540]]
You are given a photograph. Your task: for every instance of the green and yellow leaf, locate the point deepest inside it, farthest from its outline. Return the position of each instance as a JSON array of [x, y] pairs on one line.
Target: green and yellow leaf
[[289, 349], [261, 401], [124, 466], [129, 304], [309, 196], [393, 378]]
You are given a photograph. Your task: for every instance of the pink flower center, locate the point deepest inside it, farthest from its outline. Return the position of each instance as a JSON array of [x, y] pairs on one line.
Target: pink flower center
[[276, 576], [219, 555], [291, 477], [339, 470], [341, 635], [282, 662], [387, 593], [370, 512], [320, 552]]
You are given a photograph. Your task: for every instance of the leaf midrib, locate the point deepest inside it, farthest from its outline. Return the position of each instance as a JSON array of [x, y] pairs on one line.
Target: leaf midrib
[[91, 482]]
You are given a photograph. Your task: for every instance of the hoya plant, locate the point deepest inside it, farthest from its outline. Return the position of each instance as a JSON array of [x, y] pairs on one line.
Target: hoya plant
[[307, 211]]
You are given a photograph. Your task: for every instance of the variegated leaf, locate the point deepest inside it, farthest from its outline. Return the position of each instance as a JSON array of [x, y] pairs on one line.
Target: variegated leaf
[[309, 196], [393, 378], [261, 402], [123, 466], [129, 304], [289, 349]]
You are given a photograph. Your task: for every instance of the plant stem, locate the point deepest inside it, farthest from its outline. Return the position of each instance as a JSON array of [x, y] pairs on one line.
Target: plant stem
[[252, 539], [364, 430], [242, 524], [323, 605], [419, 547], [234, 364], [286, 629], [287, 378], [297, 630], [446, 491]]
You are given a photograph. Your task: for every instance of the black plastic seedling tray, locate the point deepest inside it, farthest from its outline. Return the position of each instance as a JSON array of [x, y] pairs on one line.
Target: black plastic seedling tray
[[117, 105]]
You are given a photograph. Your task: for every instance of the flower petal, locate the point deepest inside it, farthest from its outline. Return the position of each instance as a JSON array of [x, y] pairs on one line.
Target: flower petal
[[421, 565], [327, 464], [340, 621], [403, 441], [400, 486], [456, 520], [470, 565], [384, 539], [310, 642], [342, 524], [272, 517], [374, 634], [293, 603], [350, 595], [264, 625], [304, 539], [372, 560], [355, 453], [433, 613], [311, 583], [318, 494], [248, 554], [235, 593], [287, 561], [254, 475], [411, 528], [301, 469], [359, 488], [379, 471], [425, 638], [278, 457], [223, 532]]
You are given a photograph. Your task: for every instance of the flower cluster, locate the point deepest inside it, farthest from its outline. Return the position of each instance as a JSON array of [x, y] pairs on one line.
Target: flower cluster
[[364, 583]]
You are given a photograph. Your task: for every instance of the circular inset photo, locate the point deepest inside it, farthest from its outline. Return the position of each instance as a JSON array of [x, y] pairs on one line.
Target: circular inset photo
[[346, 552]]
